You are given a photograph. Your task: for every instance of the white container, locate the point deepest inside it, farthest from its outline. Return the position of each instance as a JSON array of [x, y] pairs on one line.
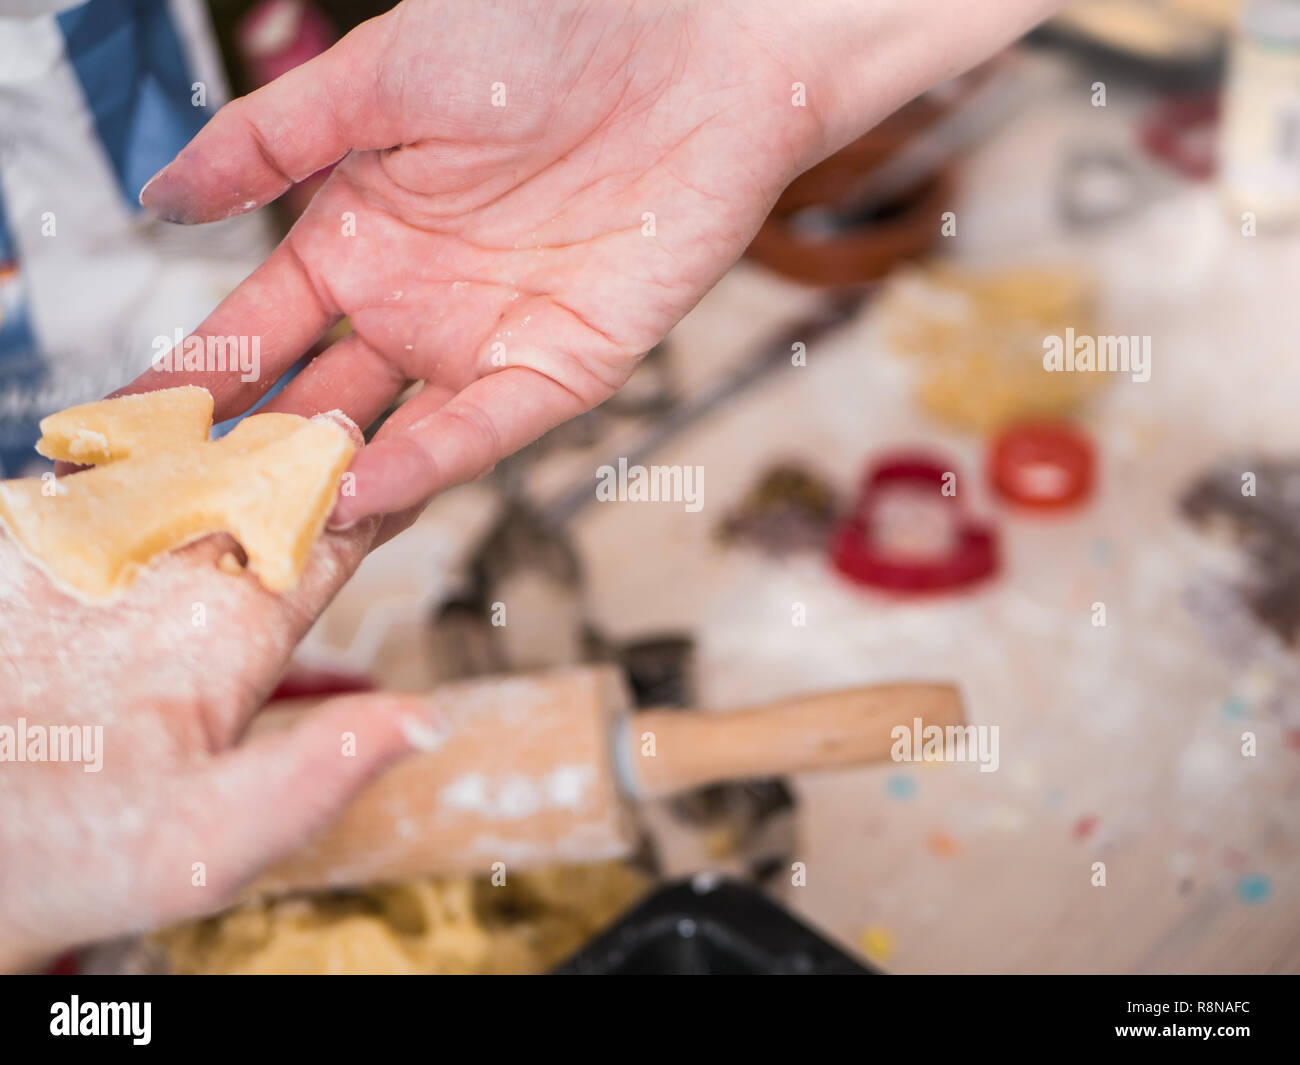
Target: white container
[[1259, 164]]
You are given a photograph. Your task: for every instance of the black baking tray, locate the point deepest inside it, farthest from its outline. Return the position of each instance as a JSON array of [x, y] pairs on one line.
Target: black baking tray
[[709, 926]]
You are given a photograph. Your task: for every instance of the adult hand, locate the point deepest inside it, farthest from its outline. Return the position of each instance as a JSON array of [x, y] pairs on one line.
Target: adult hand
[[162, 683], [531, 194]]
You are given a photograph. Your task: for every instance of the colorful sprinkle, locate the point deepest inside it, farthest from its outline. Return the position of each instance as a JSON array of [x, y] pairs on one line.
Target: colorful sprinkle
[[1235, 709], [877, 944], [1101, 551], [1084, 827], [1293, 738], [941, 844], [1252, 890], [901, 786], [1054, 798]]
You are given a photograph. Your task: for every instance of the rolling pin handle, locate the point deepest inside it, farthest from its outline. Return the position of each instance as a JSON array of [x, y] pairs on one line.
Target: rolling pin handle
[[825, 731]]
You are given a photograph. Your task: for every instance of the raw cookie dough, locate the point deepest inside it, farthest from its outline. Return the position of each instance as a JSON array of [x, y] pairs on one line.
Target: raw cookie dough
[[454, 925], [977, 341], [158, 483], [135, 425]]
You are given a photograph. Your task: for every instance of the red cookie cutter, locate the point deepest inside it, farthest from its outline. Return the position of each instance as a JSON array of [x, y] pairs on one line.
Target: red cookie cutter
[[1042, 464], [856, 554], [1182, 132]]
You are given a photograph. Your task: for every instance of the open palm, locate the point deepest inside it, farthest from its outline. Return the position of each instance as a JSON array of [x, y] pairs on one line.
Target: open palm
[[530, 195]]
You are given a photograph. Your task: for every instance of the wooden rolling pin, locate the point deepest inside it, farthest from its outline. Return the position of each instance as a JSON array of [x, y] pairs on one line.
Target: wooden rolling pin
[[545, 768]]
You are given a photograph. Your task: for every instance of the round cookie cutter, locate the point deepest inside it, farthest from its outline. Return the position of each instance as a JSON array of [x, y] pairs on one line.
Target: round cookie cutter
[[856, 554], [905, 229]]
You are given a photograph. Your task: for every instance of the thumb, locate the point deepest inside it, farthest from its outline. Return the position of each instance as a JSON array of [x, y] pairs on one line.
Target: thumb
[[279, 789], [257, 146]]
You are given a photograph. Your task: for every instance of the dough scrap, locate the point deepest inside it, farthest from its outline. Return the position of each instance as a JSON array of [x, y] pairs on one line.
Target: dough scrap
[[158, 483]]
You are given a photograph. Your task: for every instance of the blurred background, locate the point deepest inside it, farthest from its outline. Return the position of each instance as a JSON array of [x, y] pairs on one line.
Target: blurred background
[[1113, 582]]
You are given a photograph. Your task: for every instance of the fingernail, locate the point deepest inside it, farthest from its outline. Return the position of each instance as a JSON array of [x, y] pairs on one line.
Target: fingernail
[[340, 520], [147, 186], [162, 199]]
